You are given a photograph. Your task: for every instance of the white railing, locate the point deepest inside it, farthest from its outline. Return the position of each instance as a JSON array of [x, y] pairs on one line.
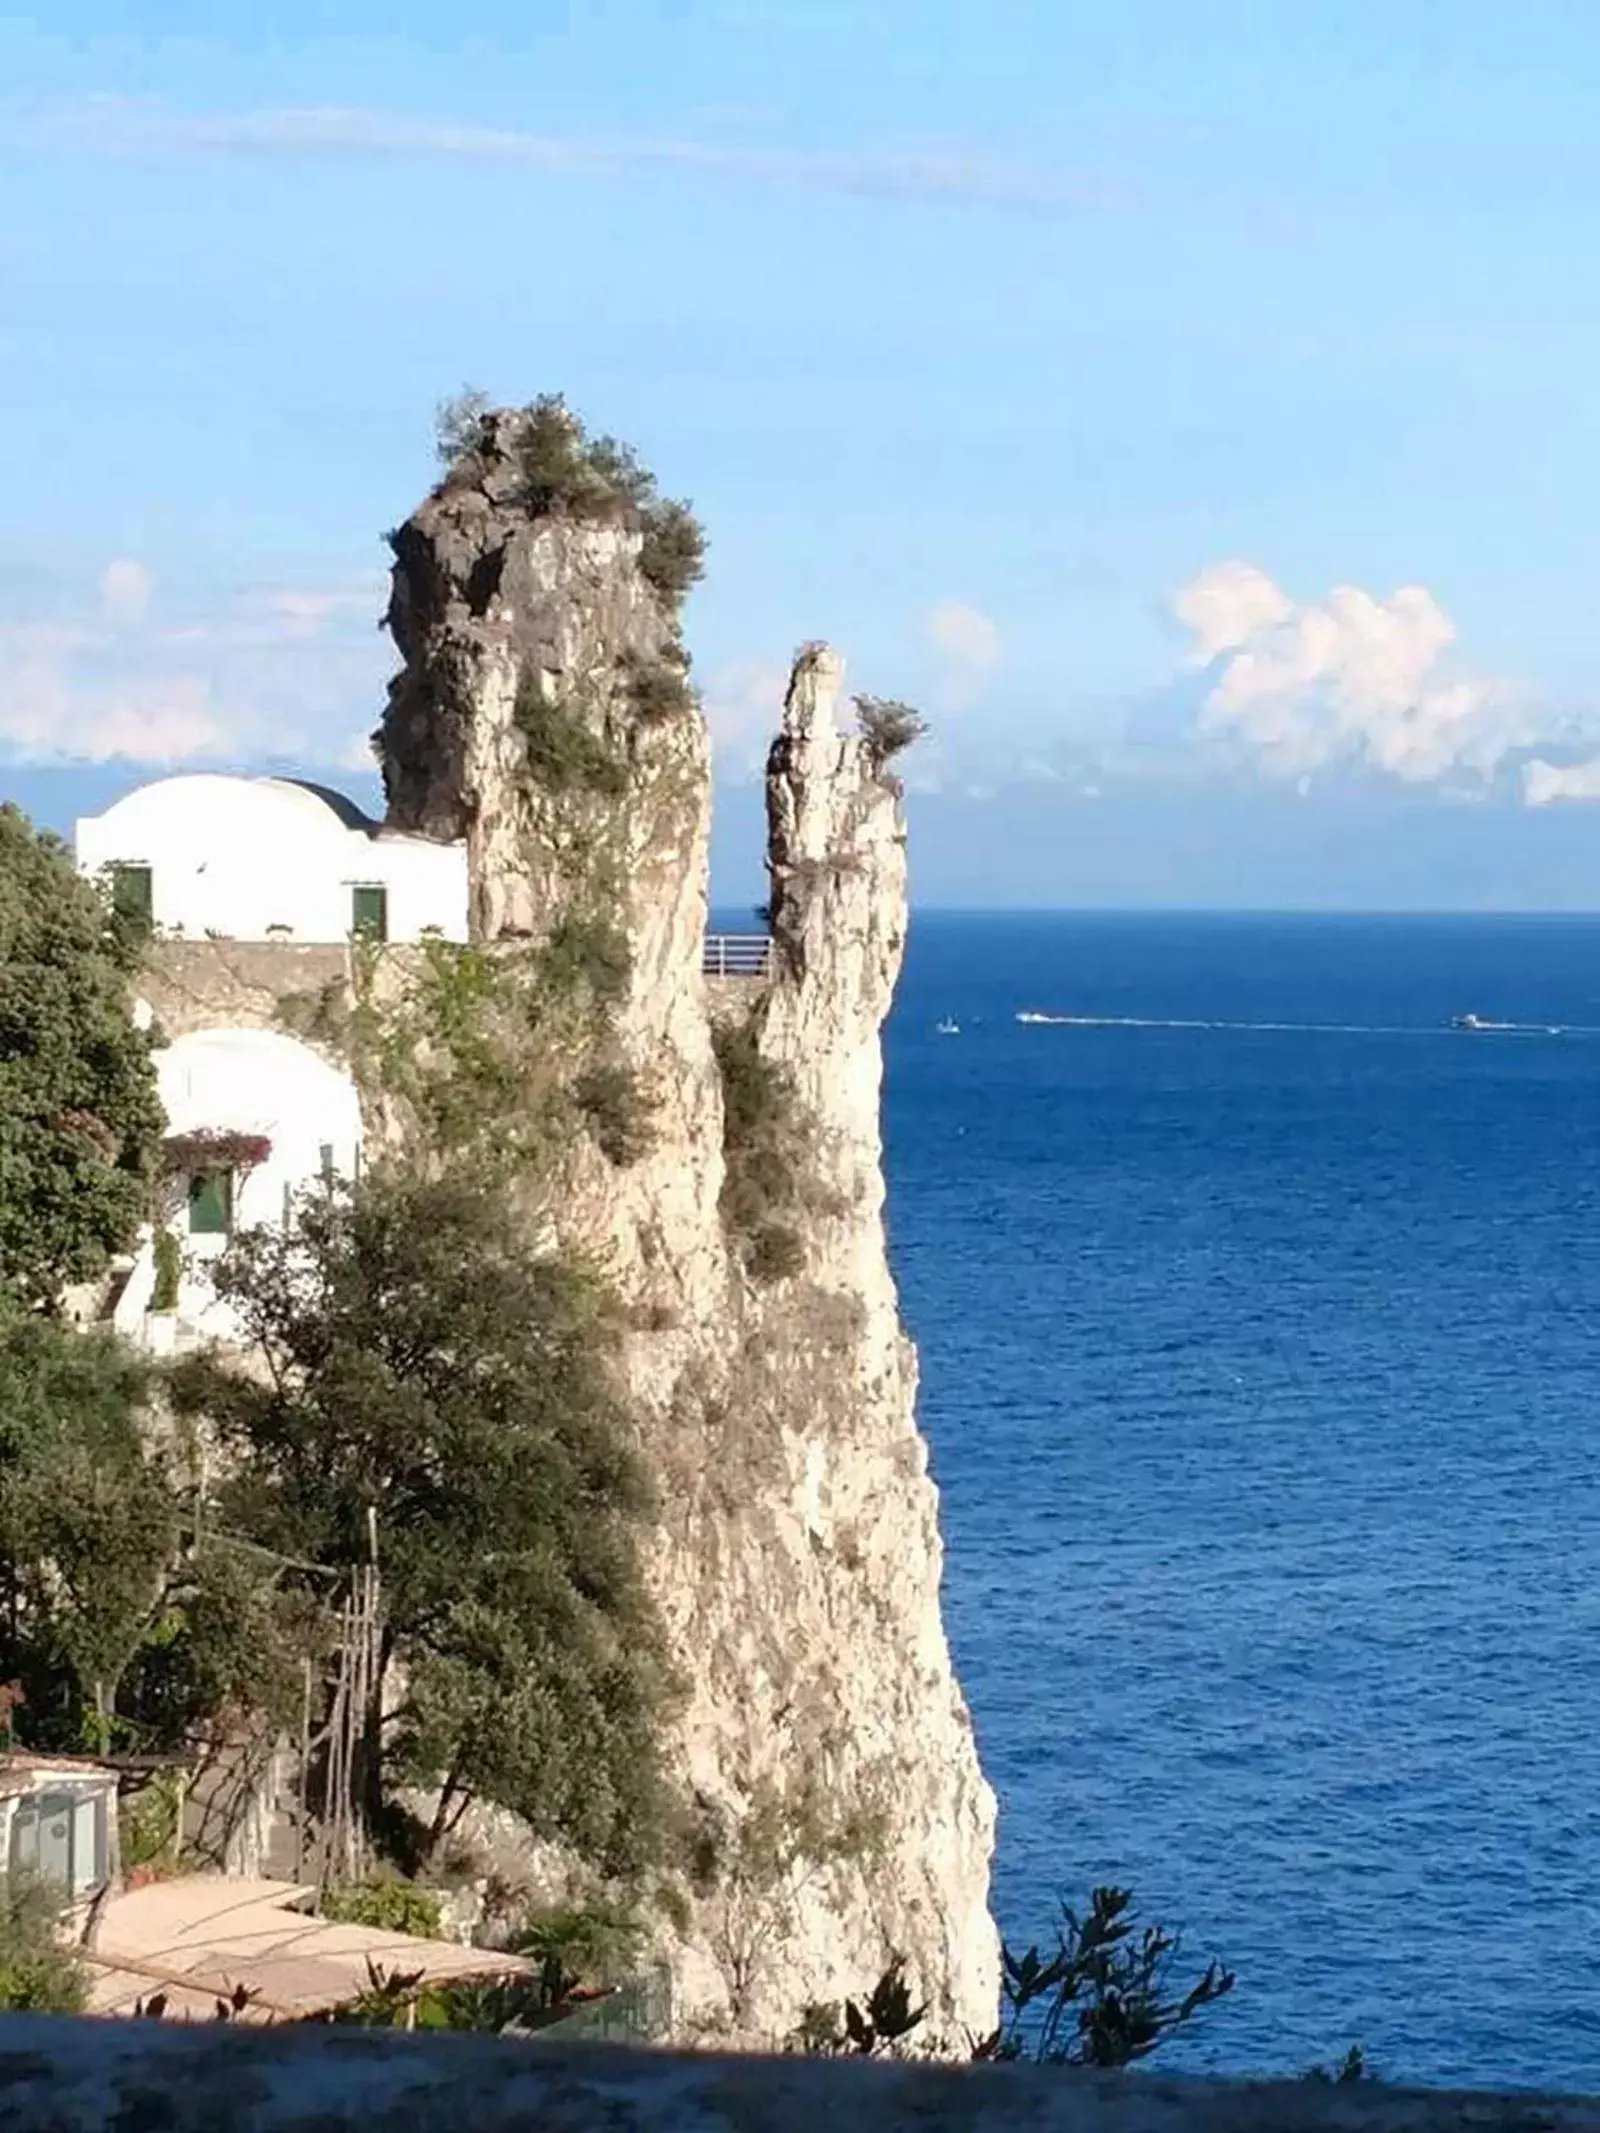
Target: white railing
[[737, 955]]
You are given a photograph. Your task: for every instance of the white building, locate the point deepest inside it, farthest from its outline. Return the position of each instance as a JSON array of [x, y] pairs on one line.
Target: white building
[[256, 859], [254, 1117], [233, 1088]]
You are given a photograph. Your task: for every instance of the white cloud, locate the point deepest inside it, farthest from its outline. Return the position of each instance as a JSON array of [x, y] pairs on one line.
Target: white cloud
[[969, 649], [120, 126], [743, 705], [1544, 784], [125, 589], [1227, 605], [1355, 679], [260, 675], [306, 612]]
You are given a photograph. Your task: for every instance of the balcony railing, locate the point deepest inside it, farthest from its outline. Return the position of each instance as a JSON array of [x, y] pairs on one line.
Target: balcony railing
[[737, 955]]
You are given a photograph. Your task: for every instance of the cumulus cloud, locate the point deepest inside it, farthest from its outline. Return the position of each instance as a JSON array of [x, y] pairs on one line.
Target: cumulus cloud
[[743, 704], [1355, 679], [1544, 784], [125, 588], [263, 674], [967, 645]]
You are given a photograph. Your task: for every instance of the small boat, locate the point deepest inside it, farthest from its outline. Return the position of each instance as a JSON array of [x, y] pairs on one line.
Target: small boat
[[1478, 1022], [949, 1027]]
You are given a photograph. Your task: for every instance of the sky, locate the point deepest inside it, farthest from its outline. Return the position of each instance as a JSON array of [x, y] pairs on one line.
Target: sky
[[1187, 403]]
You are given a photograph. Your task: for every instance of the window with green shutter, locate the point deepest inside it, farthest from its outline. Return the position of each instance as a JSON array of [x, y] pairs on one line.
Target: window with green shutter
[[369, 912], [132, 892], [211, 1203]]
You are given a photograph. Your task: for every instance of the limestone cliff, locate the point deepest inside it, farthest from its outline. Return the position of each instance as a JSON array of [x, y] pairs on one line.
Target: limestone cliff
[[840, 1812]]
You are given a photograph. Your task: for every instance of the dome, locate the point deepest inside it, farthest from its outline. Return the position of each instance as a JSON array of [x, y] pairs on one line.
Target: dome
[[206, 802]]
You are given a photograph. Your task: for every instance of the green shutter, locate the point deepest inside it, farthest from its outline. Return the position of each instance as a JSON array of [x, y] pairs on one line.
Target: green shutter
[[211, 1203], [369, 913], [132, 894]]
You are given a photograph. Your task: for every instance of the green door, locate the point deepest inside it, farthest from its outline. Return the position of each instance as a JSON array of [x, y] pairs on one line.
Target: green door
[[211, 1203], [369, 912], [132, 893]]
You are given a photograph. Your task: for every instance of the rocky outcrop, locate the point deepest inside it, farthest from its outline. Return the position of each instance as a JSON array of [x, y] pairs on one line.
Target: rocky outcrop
[[839, 1815]]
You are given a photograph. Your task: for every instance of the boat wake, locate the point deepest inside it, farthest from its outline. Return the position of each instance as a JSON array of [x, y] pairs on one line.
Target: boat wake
[[1320, 1029]]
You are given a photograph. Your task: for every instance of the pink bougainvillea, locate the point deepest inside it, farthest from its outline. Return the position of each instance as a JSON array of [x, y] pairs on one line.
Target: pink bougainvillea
[[213, 1148]]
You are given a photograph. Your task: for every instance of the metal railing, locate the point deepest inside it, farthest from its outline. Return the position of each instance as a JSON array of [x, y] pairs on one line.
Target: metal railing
[[737, 955]]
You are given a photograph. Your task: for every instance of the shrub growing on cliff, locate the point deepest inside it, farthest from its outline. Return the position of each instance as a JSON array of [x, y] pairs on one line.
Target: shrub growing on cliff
[[615, 1110], [459, 425], [589, 954], [673, 553], [658, 689], [888, 728], [421, 1365], [562, 753], [79, 1115], [760, 1132]]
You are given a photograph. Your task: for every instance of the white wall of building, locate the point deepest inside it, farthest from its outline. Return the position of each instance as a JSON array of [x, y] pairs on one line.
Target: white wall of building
[[244, 1081], [254, 859]]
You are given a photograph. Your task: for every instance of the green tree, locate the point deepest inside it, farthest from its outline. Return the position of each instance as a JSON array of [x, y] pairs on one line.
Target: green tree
[[88, 1524], [79, 1114], [117, 1620], [420, 1367]]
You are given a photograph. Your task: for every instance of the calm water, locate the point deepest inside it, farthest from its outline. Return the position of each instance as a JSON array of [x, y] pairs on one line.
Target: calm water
[[1260, 1368]]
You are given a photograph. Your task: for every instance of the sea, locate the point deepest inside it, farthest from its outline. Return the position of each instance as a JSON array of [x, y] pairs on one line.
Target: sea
[[1259, 1320]]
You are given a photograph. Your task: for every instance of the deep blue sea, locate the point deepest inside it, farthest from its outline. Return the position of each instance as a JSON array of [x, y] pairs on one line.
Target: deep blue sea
[[1260, 1337]]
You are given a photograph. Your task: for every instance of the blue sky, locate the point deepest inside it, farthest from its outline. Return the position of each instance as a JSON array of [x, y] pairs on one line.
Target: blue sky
[[1190, 404]]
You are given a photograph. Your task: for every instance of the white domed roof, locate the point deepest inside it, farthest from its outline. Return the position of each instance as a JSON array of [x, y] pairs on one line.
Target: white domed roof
[[212, 798]]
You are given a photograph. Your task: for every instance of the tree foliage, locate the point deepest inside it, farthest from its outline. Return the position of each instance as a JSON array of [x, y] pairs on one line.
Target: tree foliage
[[565, 470], [419, 1366], [79, 1114], [1100, 1996], [119, 1622], [88, 1525], [888, 728]]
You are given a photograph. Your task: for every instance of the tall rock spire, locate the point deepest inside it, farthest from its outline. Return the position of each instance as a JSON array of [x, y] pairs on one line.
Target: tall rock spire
[[836, 1812]]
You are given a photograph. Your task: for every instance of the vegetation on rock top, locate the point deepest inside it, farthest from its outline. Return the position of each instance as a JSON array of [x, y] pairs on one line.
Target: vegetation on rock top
[[565, 471], [888, 728]]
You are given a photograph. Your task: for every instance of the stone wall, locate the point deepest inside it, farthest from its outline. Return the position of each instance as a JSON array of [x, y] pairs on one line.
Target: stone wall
[[154, 2077], [194, 985]]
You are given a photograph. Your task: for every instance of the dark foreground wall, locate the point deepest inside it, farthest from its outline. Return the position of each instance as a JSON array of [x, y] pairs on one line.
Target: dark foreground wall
[[151, 2077]]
